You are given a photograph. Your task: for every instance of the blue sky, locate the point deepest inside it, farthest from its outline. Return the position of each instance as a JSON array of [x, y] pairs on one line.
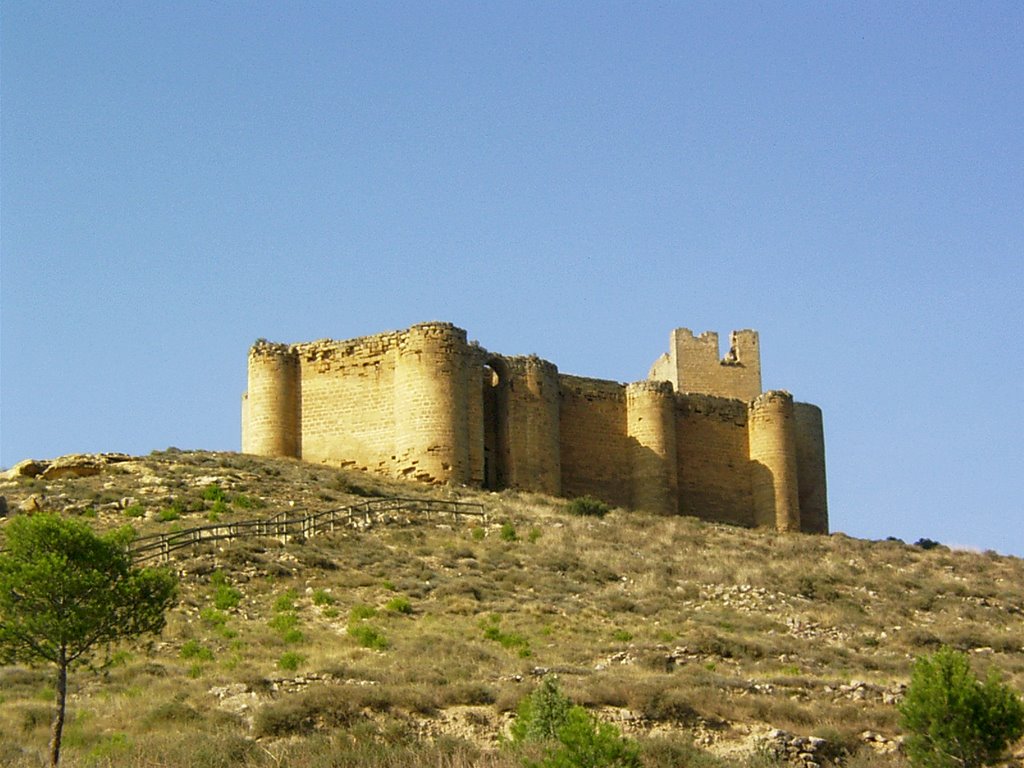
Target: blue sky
[[567, 179]]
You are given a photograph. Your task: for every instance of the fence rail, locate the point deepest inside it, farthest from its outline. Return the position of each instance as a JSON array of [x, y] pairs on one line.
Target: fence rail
[[284, 526]]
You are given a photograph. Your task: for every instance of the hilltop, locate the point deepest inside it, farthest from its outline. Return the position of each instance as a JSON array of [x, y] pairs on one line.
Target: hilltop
[[410, 642]]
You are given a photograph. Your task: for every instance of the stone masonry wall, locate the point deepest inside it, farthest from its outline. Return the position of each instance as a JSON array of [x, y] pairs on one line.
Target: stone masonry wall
[[713, 459], [348, 401], [594, 443], [425, 404]]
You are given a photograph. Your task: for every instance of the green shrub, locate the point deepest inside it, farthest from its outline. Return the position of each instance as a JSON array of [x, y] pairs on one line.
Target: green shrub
[[586, 742], [509, 640], [226, 597], [213, 617], [323, 597], [953, 720], [508, 532], [399, 604], [572, 737], [290, 661], [588, 506], [541, 714], [193, 650], [242, 501], [213, 492], [286, 601], [283, 622], [362, 611], [166, 515], [135, 510], [368, 637]]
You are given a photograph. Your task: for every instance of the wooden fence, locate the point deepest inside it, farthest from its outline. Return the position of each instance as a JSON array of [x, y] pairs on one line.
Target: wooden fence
[[288, 525]]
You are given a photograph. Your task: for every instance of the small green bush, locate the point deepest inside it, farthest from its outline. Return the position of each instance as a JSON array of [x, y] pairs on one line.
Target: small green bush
[[509, 640], [166, 515], [399, 604], [193, 650], [286, 601], [362, 611], [283, 622], [213, 617], [323, 597], [226, 597], [293, 636], [290, 661], [135, 510], [508, 532], [368, 637], [213, 492], [588, 506]]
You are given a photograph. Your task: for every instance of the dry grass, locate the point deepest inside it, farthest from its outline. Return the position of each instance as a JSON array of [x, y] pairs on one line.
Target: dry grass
[[680, 626]]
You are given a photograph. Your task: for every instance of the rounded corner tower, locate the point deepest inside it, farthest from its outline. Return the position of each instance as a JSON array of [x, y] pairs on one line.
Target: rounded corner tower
[[651, 427], [774, 483], [271, 404], [431, 427]]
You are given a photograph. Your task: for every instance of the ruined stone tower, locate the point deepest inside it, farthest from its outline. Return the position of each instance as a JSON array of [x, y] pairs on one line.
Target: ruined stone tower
[[698, 437]]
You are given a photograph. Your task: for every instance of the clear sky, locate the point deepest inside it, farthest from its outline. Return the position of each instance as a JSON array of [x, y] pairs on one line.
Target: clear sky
[[567, 179]]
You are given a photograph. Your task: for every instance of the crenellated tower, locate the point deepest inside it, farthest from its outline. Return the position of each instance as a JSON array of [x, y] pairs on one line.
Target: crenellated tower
[[693, 364]]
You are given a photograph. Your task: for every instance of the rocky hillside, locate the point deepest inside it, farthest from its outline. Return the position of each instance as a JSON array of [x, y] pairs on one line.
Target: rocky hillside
[[409, 640]]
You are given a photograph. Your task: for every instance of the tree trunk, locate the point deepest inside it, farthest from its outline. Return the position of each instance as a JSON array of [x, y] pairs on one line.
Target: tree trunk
[[58, 716]]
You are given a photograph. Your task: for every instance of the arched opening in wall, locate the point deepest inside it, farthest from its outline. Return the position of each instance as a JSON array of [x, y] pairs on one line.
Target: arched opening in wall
[[495, 384]]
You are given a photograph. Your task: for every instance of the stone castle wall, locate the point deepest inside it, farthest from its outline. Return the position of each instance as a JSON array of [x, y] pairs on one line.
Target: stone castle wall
[[697, 438]]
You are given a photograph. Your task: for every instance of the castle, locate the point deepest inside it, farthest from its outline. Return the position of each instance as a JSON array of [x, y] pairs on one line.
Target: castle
[[697, 437]]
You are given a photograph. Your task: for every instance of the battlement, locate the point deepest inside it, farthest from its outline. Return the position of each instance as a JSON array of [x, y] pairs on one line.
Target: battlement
[[695, 364], [697, 437]]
